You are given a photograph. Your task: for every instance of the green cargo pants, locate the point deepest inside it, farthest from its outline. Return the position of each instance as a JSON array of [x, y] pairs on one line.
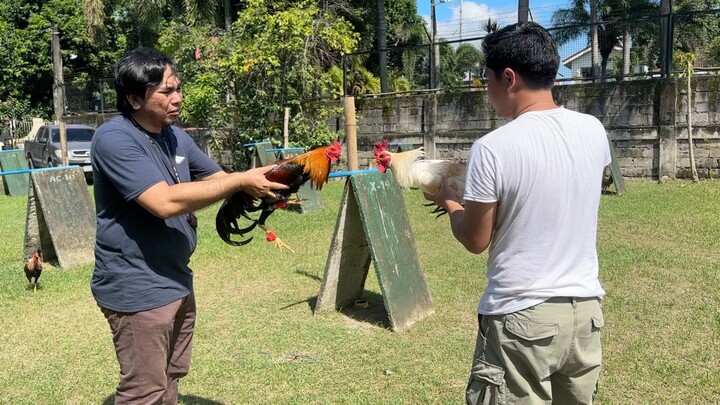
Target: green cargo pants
[[546, 354]]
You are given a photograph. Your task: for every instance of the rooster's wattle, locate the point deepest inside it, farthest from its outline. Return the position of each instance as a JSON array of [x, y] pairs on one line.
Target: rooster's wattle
[[412, 170]]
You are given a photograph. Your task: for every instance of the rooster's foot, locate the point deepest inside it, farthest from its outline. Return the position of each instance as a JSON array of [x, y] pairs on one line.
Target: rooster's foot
[[272, 237]]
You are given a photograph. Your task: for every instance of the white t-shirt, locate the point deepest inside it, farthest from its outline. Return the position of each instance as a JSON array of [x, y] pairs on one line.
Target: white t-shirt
[[545, 171]]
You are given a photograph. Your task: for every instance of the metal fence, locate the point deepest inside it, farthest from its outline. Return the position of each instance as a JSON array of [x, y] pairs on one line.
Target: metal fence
[[411, 68], [627, 49], [89, 94]]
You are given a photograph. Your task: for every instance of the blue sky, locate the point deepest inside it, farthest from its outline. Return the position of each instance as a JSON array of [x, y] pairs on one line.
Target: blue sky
[[462, 19]]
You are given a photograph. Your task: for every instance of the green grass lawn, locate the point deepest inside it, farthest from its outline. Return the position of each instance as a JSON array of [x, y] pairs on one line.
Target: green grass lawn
[[257, 341]]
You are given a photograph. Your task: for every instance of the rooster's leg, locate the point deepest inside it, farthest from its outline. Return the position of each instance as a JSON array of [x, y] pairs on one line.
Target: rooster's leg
[[274, 238]]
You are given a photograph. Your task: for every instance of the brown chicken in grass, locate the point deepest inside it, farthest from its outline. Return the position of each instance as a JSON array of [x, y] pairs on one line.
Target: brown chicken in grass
[[33, 270], [412, 170], [313, 166]]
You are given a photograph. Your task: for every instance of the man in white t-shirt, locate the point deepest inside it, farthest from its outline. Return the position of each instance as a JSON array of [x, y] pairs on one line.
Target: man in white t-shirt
[[532, 196]]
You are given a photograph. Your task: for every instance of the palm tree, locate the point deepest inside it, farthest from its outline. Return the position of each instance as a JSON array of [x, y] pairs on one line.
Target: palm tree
[[606, 22], [490, 26], [146, 14]]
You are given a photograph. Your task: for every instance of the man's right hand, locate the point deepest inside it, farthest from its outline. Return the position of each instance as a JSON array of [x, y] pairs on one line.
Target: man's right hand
[[256, 184]]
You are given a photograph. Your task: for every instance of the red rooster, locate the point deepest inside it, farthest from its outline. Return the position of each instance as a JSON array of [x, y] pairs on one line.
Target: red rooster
[[411, 170], [33, 269], [294, 172]]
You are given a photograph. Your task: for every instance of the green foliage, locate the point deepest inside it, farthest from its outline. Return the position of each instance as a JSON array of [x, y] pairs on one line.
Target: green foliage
[[575, 22], [686, 62], [310, 132], [332, 82], [278, 54], [712, 53], [695, 32], [401, 84], [362, 81], [25, 50], [459, 64]]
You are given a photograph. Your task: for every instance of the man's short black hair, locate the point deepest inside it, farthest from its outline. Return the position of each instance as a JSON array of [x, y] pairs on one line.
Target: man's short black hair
[[528, 49], [136, 72]]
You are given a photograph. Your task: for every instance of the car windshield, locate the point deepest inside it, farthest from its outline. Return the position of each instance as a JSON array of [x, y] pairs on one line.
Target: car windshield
[[74, 135]]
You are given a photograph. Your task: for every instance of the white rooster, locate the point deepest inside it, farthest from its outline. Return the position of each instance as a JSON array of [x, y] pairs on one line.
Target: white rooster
[[412, 170]]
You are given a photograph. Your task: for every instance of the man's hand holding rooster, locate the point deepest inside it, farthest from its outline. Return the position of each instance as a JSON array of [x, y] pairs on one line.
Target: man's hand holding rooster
[[257, 185], [447, 197]]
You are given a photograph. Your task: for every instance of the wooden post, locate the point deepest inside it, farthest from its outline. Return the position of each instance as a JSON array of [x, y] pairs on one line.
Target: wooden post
[[63, 143], [58, 82], [430, 119], [351, 132], [286, 121]]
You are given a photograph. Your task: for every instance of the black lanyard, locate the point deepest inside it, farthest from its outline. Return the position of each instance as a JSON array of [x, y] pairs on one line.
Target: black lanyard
[[168, 158]]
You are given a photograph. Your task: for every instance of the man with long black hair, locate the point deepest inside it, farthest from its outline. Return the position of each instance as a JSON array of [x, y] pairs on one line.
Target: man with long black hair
[[149, 178], [532, 196]]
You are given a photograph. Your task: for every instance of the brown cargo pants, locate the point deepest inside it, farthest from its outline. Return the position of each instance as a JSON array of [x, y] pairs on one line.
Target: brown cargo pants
[[153, 349], [546, 354]]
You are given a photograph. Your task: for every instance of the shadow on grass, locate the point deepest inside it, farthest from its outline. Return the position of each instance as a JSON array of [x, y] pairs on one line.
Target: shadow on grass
[[183, 399], [375, 312]]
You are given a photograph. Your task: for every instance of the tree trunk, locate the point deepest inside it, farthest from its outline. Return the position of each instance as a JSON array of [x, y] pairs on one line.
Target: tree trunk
[[382, 45], [626, 53], [595, 44], [228, 15]]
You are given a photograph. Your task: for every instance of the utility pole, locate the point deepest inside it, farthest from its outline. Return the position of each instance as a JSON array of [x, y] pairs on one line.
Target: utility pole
[[523, 8], [435, 71], [381, 33], [59, 93], [58, 82], [666, 32], [461, 7]]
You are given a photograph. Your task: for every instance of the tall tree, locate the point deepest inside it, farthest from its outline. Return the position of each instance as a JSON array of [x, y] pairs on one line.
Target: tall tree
[[25, 57], [277, 56], [382, 45], [146, 16], [604, 23]]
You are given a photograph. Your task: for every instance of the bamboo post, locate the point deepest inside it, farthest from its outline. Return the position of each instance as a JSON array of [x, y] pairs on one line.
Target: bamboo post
[[691, 146], [286, 133], [351, 132], [63, 143]]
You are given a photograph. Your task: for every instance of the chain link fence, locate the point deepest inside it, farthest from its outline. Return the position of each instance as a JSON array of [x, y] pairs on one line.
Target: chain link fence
[[627, 49]]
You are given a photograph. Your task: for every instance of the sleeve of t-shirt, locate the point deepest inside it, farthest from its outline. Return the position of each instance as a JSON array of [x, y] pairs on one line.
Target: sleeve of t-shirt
[[119, 157], [482, 183]]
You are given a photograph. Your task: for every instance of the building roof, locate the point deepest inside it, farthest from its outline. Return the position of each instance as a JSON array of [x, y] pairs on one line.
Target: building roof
[[567, 61]]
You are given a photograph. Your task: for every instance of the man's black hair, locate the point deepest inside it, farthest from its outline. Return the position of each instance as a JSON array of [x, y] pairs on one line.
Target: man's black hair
[[137, 71], [528, 49]]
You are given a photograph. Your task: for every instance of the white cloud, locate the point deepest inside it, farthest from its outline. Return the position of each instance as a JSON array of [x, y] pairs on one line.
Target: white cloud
[[468, 17]]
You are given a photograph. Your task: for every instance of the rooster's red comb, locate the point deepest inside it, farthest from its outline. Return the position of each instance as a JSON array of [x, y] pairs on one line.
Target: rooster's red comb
[[380, 146]]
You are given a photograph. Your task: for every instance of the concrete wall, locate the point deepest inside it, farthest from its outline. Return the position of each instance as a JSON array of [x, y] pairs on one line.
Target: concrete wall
[[646, 120]]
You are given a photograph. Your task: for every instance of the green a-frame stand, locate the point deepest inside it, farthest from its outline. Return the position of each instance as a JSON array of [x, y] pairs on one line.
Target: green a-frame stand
[[373, 225], [60, 217]]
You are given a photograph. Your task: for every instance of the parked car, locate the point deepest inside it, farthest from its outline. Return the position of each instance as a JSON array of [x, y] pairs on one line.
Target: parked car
[[44, 150]]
